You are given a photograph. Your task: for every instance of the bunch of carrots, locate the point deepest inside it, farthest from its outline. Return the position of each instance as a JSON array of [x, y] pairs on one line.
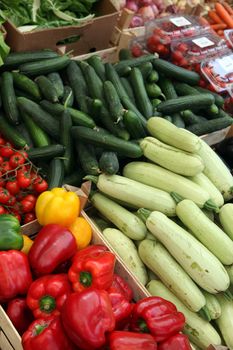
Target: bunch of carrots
[[221, 17]]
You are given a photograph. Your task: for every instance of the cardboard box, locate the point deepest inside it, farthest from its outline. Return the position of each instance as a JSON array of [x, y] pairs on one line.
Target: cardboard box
[[93, 36]]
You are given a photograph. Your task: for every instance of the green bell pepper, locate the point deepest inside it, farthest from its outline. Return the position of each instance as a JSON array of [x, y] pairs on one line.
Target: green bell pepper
[[10, 235]]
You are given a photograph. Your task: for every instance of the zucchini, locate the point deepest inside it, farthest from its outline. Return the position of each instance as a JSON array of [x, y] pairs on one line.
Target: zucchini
[[174, 72], [125, 248], [199, 331], [201, 265], [142, 99], [206, 231], [40, 117], [67, 141], [225, 321], [210, 126], [11, 134], [226, 219], [38, 136], [8, 98], [172, 135], [155, 176], [134, 62], [74, 179], [203, 181], [185, 102], [123, 219], [128, 89], [68, 97], [136, 194], [46, 152], [87, 158], [158, 259], [219, 100], [230, 272], [44, 66], [57, 83], [125, 54], [96, 62], [109, 163], [171, 158], [146, 69], [108, 142], [27, 85], [113, 101], [14, 59], [47, 88], [216, 171], [212, 305], [133, 125], [56, 173]]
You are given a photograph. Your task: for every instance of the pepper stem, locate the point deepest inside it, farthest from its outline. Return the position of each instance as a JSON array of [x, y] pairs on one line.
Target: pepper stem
[[204, 313], [177, 198], [47, 304], [85, 279], [143, 214], [210, 205], [143, 326], [39, 328], [91, 178]]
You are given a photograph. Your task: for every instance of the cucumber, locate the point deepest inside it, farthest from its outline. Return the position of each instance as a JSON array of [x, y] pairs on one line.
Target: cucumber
[[96, 62], [174, 72], [191, 118], [178, 121], [44, 66], [206, 231], [21, 128], [201, 265], [11, 134], [20, 93], [74, 179], [88, 159], [226, 219], [153, 90], [184, 89], [130, 106], [94, 107], [153, 77], [155, 102], [128, 89], [68, 97], [46, 152], [219, 100], [94, 83], [109, 163], [56, 173], [134, 62], [113, 101], [108, 142], [40, 117], [67, 141], [167, 88], [27, 85], [133, 125], [115, 129], [212, 305], [124, 247], [123, 219], [158, 259], [47, 88], [146, 69], [8, 98], [14, 59], [57, 83], [210, 126], [125, 54], [38, 136], [225, 321], [199, 331], [168, 118]]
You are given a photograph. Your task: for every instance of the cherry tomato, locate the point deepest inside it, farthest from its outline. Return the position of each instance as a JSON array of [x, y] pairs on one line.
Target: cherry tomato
[[11, 201], [13, 187], [5, 167], [40, 185], [30, 198], [4, 196], [177, 56], [23, 153], [27, 205], [136, 51], [16, 160], [23, 180], [17, 216], [2, 181], [2, 141], [29, 217], [1, 160], [7, 151], [2, 210], [183, 47]]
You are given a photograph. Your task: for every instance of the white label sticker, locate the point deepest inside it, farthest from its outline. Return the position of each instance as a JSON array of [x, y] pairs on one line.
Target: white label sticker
[[203, 42], [226, 63], [180, 21]]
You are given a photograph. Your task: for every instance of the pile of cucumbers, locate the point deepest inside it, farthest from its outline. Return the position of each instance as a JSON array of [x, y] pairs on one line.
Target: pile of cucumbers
[[86, 117]]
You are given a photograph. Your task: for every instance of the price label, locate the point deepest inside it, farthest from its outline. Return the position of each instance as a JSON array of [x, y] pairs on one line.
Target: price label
[[226, 63], [180, 21], [203, 42]]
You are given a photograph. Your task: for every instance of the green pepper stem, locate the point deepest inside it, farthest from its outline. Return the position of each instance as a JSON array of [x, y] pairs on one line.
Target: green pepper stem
[[177, 198], [85, 279], [47, 304], [143, 214], [39, 328], [204, 313], [91, 178], [143, 326], [210, 205]]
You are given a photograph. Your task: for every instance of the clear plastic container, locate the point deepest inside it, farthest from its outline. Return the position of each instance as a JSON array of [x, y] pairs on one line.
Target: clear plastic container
[[138, 46], [229, 37]]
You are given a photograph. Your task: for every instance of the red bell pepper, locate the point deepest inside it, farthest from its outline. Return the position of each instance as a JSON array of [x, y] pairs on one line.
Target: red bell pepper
[[121, 307], [121, 286], [53, 246], [15, 274], [19, 314], [90, 250], [177, 341], [46, 334], [157, 316], [131, 341], [47, 295], [87, 317], [92, 270]]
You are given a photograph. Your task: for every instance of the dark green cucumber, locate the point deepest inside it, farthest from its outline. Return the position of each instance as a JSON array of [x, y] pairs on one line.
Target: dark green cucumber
[[57, 83], [109, 163], [94, 107], [78, 117], [210, 126], [14, 59], [219, 100], [101, 223], [134, 62], [94, 83], [46, 152], [78, 85], [130, 106], [45, 66], [174, 72], [49, 124], [153, 90], [56, 173], [38, 136], [21, 128], [87, 158], [11, 134], [67, 141], [133, 125], [153, 77], [125, 54], [47, 88], [146, 69], [96, 62], [108, 142], [167, 88], [24, 83], [68, 96], [126, 84], [185, 102], [168, 117], [74, 179], [184, 89], [20, 93], [177, 120], [113, 101], [155, 102], [9, 99], [143, 102], [222, 114], [115, 129], [191, 118]]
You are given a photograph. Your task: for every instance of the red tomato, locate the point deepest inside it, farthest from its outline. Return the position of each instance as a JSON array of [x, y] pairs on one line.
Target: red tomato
[[11, 201], [23, 153], [4, 196], [13, 187], [2, 181], [29, 217], [136, 51], [30, 198], [23, 179], [5, 167], [1, 160], [27, 205], [16, 160], [7, 151], [40, 185], [177, 56], [2, 141], [2, 210], [183, 47]]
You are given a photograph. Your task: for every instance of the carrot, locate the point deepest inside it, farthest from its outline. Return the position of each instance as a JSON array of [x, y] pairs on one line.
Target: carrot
[[220, 33], [227, 7], [218, 26], [224, 15], [213, 15]]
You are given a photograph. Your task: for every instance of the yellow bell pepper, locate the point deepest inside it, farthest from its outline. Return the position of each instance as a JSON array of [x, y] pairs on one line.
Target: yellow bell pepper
[[82, 232], [27, 243], [57, 207]]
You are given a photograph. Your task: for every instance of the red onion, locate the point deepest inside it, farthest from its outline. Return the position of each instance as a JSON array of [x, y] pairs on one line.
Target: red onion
[[145, 2], [146, 12], [137, 21], [132, 5]]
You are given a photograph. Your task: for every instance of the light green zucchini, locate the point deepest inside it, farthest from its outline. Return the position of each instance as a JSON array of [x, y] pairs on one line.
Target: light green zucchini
[[125, 248], [225, 321], [158, 259], [230, 272], [212, 305], [199, 331], [206, 231], [171, 158], [226, 219]]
